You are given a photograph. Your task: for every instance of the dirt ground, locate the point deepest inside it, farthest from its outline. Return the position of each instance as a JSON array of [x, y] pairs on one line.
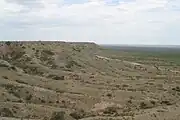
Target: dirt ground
[[83, 81]]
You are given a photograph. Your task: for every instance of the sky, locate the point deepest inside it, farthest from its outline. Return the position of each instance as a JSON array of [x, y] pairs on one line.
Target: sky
[[151, 22]]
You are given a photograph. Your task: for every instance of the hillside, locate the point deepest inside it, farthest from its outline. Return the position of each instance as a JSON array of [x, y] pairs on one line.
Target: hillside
[[69, 81]]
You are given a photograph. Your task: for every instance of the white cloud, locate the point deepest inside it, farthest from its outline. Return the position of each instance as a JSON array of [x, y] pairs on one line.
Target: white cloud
[[131, 22]]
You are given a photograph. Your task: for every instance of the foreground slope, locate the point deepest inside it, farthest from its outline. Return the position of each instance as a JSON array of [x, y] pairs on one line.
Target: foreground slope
[[58, 80]]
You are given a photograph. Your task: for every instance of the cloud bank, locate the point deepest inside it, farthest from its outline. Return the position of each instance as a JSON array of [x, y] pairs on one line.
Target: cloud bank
[[101, 21]]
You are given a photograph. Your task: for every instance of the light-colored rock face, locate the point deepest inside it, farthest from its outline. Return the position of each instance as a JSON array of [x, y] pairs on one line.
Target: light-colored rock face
[[100, 107], [4, 63]]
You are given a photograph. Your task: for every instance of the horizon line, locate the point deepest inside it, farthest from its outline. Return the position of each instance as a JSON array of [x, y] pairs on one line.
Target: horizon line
[[112, 44]]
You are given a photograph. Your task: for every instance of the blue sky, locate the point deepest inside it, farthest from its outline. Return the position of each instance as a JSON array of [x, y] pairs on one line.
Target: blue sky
[[102, 21]]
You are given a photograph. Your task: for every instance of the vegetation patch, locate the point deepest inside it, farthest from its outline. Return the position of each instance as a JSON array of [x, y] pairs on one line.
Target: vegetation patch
[[6, 112]]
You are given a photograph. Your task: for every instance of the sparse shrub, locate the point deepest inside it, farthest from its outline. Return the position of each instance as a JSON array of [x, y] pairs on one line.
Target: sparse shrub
[[77, 49], [29, 97], [12, 89], [33, 70], [20, 81], [130, 101], [3, 94], [14, 111], [43, 101], [46, 58], [48, 52], [20, 101], [54, 66], [78, 114], [16, 53], [124, 85], [8, 43], [147, 104], [118, 86], [91, 76], [6, 112], [109, 95], [143, 105], [58, 116], [75, 77], [166, 102], [55, 77], [71, 63], [176, 89], [26, 58], [153, 102], [63, 101], [5, 77], [13, 68], [37, 51], [110, 110]]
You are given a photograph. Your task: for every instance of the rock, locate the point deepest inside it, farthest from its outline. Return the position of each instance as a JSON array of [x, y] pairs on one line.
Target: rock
[[106, 108], [4, 63]]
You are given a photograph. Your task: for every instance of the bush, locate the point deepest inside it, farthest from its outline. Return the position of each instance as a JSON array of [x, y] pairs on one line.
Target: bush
[[71, 63], [43, 101], [78, 114], [110, 110], [14, 90], [176, 89], [166, 102], [109, 95], [29, 97], [58, 116], [8, 43], [147, 104], [5, 77], [55, 77], [6, 112], [48, 52], [143, 105]]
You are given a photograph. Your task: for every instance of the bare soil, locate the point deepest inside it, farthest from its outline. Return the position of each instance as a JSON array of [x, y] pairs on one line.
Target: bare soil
[[69, 81]]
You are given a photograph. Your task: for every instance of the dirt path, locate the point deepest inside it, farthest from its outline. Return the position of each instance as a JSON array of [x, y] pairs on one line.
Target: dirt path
[[106, 58]]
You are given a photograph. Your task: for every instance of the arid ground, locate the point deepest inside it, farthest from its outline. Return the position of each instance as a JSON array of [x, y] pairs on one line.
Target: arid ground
[[84, 81]]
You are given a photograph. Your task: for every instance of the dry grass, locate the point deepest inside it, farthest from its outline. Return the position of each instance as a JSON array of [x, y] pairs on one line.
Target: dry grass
[[68, 81]]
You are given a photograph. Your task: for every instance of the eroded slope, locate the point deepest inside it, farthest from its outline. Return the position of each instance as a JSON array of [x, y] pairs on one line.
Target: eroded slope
[[58, 80]]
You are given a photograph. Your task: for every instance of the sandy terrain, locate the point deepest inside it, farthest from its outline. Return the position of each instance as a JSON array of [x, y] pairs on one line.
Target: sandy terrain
[[69, 81]]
